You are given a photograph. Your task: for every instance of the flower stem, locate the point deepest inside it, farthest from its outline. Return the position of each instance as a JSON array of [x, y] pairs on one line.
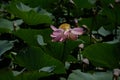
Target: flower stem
[[64, 51]]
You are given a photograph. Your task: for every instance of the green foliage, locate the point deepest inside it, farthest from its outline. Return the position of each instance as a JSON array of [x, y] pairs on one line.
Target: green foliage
[[6, 25], [32, 75], [27, 51], [33, 58], [61, 51], [6, 74], [78, 75], [102, 54], [30, 35], [40, 40], [46, 4], [5, 46], [87, 3], [31, 16]]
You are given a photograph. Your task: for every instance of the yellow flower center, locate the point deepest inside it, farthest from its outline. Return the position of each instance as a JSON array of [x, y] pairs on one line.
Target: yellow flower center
[[65, 26]]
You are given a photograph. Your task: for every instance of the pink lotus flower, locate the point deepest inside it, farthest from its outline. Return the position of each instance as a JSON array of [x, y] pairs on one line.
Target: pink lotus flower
[[65, 32]]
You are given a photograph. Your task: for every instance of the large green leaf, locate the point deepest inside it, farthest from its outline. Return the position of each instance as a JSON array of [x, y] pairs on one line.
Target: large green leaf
[[78, 75], [6, 25], [103, 21], [102, 54], [80, 5], [30, 36], [110, 13], [55, 49], [87, 22], [6, 74], [71, 58], [117, 12], [84, 3], [86, 40], [97, 22], [33, 58], [31, 16], [61, 51], [46, 4], [106, 3], [5, 46], [32, 75], [71, 45]]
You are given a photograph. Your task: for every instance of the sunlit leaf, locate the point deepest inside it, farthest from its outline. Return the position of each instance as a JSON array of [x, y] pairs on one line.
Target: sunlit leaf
[[5, 46], [23, 7], [16, 73], [6, 25], [78, 75], [32, 75], [62, 78], [103, 32], [47, 69], [18, 22], [40, 40], [113, 42]]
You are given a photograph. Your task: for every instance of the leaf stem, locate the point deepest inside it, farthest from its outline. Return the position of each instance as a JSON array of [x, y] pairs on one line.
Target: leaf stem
[[116, 23]]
